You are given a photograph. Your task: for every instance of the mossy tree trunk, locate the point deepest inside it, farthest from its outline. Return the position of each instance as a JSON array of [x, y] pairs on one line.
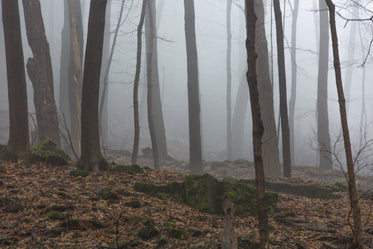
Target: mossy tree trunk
[[91, 158], [18, 144], [39, 69]]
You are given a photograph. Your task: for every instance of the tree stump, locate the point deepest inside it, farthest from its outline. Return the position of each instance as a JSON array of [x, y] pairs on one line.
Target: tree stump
[[228, 237]]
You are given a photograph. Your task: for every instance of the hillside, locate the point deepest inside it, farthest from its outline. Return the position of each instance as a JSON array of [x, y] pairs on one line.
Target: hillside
[[44, 206]]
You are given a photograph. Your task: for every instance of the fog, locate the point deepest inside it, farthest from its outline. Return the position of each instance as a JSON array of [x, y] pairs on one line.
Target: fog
[[211, 45]]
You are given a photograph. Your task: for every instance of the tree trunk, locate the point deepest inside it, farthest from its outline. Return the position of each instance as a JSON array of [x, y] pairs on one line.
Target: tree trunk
[[136, 138], [75, 71], [228, 236], [91, 158], [271, 161], [258, 129], [293, 94], [18, 144], [282, 87], [322, 91], [150, 24], [150, 75], [107, 58], [39, 69], [229, 80], [195, 148], [354, 199], [64, 107]]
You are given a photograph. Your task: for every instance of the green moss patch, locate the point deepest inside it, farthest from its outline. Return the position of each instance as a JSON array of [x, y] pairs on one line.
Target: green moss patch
[[133, 204], [79, 172], [206, 193], [148, 231], [57, 215], [107, 194], [47, 151]]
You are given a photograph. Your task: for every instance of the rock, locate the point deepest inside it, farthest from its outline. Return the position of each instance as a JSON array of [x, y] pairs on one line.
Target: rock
[[47, 151], [148, 231]]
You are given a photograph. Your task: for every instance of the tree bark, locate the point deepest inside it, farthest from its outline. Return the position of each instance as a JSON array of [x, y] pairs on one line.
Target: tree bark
[[271, 161], [229, 80], [195, 147], [293, 94], [322, 91], [18, 144], [39, 69], [75, 71], [354, 199], [91, 158], [258, 129], [150, 95], [136, 138], [282, 87], [228, 236], [151, 33]]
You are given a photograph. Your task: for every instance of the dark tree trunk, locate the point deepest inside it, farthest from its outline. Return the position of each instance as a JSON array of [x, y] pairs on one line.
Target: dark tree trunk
[[151, 33], [271, 161], [64, 107], [229, 81], [136, 138], [39, 69], [258, 128], [322, 91], [286, 157], [354, 198], [91, 158], [18, 144], [107, 57], [293, 94], [75, 72], [195, 147], [150, 103]]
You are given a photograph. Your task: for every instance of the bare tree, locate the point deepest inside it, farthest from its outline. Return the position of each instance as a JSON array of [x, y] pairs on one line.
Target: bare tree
[[229, 80], [91, 158], [18, 144], [258, 128], [39, 68], [293, 94], [322, 91], [136, 138], [354, 199], [151, 33], [195, 144], [283, 99]]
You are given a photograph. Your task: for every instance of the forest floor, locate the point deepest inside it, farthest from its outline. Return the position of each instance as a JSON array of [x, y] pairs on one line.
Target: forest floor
[[44, 206]]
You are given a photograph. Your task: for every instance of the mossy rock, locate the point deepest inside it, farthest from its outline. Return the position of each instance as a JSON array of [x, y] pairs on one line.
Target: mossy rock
[[162, 241], [205, 193], [2, 146], [47, 151], [61, 208], [133, 169], [94, 224], [306, 190], [148, 231], [218, 165]]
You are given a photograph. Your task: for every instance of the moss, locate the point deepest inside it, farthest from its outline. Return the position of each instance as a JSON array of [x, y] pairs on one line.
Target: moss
[[287, 213], [133, 169], [48, 151], [162, 196], [168, 224], [53, 215], [202, 193], [2, 146], [162, 241], [79, 172], [338, 187], [148, 231], [107, 194], [94, 223], [243, 197], [133, 204], [177, 234]]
